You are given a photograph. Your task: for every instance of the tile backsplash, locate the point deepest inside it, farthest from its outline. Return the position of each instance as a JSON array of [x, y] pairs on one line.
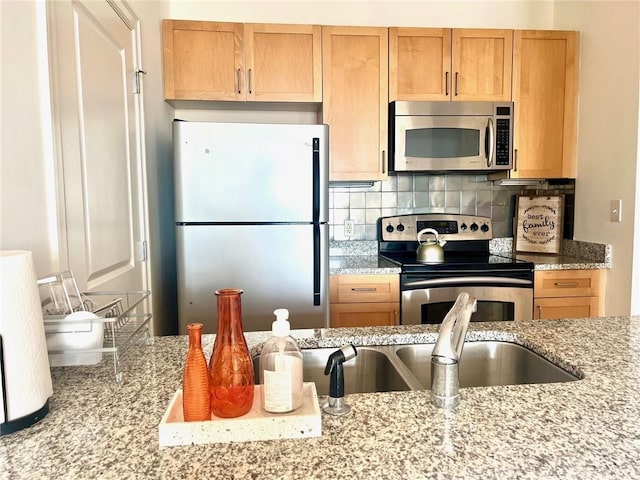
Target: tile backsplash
[[427, 193]]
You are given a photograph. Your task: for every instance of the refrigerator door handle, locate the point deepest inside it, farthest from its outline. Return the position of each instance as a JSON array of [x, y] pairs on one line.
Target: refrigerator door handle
[[316, 180], [316, 265]]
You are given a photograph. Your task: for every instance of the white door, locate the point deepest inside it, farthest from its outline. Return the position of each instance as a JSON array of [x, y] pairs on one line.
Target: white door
[[94, 47]]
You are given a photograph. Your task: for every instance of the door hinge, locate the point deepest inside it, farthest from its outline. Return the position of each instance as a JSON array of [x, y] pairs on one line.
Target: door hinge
[[136, 80], [141, 251]]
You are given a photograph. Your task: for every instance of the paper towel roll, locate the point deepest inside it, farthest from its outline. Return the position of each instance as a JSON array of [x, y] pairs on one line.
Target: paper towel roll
[[26, 364]]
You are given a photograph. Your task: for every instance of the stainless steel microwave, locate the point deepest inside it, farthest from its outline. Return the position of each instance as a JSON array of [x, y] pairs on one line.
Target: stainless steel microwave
[[450, 136]]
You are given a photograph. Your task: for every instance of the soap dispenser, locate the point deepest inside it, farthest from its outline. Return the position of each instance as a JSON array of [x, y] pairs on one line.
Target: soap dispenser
[[281, 368]]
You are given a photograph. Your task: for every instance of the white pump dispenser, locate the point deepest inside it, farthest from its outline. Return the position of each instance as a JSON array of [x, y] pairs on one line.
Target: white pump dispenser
[[281, 368]]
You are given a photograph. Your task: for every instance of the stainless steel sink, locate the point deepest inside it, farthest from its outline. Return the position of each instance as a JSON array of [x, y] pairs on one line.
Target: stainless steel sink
[[487, 363], [370, 371], [388, 368]]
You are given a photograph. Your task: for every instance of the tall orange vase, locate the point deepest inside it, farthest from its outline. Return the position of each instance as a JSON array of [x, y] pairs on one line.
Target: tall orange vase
[[196, 400], [231, 374]]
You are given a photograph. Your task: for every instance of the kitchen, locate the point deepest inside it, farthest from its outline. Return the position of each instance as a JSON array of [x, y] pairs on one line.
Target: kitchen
[[597, 94], [23, 152]]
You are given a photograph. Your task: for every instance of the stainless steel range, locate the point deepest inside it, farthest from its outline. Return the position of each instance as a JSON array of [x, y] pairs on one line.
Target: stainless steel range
[[502, 285]]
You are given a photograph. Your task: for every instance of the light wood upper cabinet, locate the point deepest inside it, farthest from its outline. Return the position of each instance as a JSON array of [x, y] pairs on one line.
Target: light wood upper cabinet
[[202, 60], [355, 100], [232, 61], [545, 94], [419, 63], [283, 62], [444, 64]]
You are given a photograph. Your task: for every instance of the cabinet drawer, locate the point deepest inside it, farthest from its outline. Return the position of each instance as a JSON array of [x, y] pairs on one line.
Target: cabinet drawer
[[569, 283], [364, 288]]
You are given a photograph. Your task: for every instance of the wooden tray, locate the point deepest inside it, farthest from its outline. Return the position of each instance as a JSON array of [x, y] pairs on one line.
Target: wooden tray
[[255, 425]]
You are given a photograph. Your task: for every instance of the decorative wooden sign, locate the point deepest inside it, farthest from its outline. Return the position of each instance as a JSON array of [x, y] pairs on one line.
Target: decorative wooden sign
[[539, 223]]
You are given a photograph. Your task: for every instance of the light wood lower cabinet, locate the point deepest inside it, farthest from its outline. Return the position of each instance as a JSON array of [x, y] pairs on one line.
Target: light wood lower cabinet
[[364, 300], [569, 294]]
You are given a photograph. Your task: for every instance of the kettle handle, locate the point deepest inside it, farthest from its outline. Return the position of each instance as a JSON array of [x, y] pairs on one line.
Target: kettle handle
[[427, 230]]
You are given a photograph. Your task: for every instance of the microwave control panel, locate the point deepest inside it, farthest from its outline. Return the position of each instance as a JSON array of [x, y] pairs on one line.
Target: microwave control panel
[[502, 141]]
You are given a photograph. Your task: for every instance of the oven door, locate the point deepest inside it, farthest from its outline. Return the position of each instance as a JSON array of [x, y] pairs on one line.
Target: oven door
[[441, 143], [425, 301]]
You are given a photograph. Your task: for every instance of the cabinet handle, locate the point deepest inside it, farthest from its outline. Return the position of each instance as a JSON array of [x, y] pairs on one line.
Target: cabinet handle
[[250, 88], [395, 317], [515, 159], [456, 84], [539, 312], [238, 78], [446, 84], [363, 289], [566, 284], [384, 162]]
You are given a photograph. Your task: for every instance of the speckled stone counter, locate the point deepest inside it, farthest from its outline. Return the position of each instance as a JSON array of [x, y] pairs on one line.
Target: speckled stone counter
[[361, 265], [587, 429], [361, 257], [574, 255]]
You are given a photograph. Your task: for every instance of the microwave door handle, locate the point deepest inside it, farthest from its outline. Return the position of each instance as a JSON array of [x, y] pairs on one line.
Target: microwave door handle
[[489, 146]]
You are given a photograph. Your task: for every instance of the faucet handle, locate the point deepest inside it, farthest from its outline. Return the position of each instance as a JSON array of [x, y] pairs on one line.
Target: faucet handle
[[454, 328]]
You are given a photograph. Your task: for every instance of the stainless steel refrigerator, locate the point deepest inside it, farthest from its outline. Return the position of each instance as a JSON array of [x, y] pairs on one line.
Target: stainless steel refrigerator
[[251, 213]]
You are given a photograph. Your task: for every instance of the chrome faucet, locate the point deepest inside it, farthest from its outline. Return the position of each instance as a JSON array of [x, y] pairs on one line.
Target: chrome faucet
[[447, 351]]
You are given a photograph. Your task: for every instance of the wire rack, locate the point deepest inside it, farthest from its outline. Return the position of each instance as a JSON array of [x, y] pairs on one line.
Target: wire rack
[[125, 325]]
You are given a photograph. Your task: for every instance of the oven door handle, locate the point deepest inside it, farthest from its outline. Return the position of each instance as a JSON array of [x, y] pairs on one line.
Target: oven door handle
[[467, 280]]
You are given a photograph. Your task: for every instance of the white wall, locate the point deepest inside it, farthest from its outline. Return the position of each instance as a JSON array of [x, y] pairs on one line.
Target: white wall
[[425, 13], [608, 133], [159, 160], [29, 217]]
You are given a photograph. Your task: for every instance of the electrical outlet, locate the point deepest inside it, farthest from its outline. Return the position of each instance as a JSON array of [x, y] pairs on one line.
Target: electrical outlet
[[348, 228]]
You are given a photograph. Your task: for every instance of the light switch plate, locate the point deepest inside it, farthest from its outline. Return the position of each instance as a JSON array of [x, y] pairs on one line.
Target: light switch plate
[[616, 210]]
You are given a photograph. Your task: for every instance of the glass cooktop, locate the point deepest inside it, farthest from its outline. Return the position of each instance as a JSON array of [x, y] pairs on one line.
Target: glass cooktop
[[456, 261]]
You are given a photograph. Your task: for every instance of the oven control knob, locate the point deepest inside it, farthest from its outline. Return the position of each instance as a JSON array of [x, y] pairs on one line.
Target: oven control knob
[[400, 227], [389, 228], [474, 227], [484, 228], [463, 227]]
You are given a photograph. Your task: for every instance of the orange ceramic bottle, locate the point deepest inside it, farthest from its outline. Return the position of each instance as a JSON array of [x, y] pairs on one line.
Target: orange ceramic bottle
[[231, 374], [196, 400]]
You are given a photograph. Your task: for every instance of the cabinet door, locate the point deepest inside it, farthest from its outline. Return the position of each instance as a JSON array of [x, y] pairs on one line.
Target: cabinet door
[[202, 60], [419, 63], [283, 62], [363, 314], [481, 65], [545, 79], [355, 100], [570, 307]]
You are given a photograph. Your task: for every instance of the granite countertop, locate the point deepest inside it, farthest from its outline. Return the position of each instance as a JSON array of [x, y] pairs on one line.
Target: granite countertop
[[583, 429], [361, 257], [361, 265]]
